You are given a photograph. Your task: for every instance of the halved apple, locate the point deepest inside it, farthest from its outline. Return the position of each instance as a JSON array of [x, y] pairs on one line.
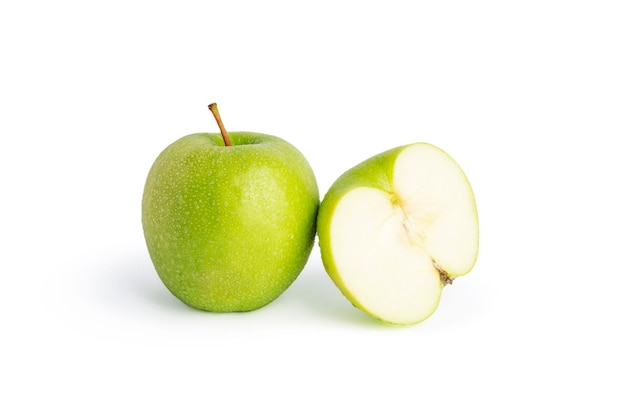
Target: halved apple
[[395, 229]]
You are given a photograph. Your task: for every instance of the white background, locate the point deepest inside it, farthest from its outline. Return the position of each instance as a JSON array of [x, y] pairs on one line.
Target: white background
[[529, 97]]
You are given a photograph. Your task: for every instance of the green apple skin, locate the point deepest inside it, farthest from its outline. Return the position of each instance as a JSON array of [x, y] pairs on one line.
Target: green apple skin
[[229, 228], [375, 172]]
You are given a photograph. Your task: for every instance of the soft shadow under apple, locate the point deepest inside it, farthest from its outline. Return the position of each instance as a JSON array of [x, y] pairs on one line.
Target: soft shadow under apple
[[315, 293], [131, 283]]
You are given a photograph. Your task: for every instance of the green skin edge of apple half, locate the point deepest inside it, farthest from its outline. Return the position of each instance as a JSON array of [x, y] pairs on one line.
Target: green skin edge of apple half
[[229, 228], [395, 229]]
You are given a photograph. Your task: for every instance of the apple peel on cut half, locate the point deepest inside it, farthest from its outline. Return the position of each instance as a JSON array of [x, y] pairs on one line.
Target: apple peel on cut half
[[395, 229]]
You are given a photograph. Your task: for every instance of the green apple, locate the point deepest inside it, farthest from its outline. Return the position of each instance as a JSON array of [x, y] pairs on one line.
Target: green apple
[[395, 229], [229, 218]]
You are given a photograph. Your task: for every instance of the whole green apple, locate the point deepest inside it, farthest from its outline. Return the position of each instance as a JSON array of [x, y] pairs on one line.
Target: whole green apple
[[229, 219], [395, 229]]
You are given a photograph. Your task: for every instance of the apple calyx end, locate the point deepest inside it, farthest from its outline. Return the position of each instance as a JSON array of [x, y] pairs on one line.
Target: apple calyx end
[[443, 275], [218, 119]]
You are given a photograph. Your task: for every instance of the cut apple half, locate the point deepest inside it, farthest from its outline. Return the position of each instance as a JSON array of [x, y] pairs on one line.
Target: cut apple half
[[392, 249]]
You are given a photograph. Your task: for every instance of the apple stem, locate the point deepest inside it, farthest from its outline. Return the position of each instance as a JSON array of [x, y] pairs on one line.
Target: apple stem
[[218, 119]]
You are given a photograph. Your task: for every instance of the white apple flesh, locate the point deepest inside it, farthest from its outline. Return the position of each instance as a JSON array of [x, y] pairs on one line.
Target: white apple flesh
[[393, 245]]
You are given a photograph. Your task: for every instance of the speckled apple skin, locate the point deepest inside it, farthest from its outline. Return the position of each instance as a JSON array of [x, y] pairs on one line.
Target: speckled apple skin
[[229, 228]]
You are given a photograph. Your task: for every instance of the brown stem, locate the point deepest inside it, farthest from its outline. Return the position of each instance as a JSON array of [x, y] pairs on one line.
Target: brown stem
[[218, 119]]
